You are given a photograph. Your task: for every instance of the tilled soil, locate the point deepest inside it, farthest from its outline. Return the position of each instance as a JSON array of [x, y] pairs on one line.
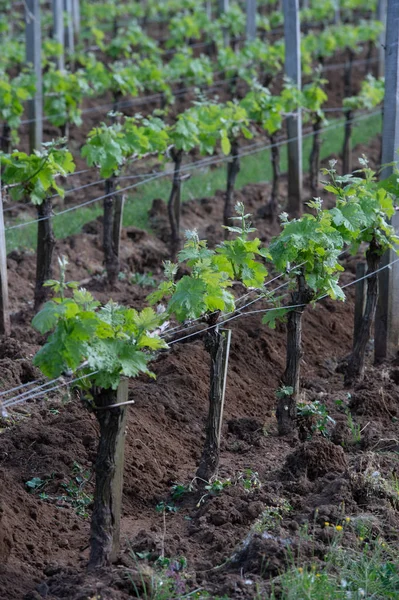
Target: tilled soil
[[44, 532]]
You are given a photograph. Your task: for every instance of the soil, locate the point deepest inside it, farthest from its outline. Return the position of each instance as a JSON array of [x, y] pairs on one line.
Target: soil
[[44, 532]]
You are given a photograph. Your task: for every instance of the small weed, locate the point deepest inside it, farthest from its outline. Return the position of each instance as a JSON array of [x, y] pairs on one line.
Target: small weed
[[178, 490], [249, 480], [284, 391], [166, 507], [312, 418], [214, 488], [354, 427], [37, 484], [143, 279], [75, 494], [272, 516]]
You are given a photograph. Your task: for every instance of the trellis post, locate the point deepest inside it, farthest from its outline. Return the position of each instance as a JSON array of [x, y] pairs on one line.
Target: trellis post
[[337, 12], [294, 123], [381, 16], [360, 299], [69, 38], [58, 27], [251, 19], [5, 327], [387, 315], [33, 56], [223, 6], [76, 17]]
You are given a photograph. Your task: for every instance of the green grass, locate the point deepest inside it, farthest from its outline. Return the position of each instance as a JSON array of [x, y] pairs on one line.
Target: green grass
[[254, 169], [368, 571]]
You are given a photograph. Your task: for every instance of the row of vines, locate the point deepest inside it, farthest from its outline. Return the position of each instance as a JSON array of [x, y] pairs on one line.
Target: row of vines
[[107, 344]]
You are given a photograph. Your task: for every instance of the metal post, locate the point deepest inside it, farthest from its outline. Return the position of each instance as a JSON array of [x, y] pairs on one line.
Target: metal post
[[5, 327], [337, 12], [386, 337], [223, 6], [69, 39], [294, 123], [387, 315], [76, 17], [58, 21], [33, 57], [251, 19], [382, 17]]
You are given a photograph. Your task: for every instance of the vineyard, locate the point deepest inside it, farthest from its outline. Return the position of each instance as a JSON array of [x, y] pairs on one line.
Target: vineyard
[[199, 299]]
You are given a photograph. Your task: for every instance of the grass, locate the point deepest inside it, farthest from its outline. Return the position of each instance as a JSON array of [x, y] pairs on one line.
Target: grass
[[254, 169], [368, 571]]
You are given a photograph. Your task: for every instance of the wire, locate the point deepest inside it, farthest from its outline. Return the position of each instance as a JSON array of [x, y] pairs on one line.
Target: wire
[[19, 387], [24, 398], [237, 313], [159, 95], [198, 164], [290, 307]]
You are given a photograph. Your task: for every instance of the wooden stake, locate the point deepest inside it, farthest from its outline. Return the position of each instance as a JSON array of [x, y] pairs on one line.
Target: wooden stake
[[217, 344], [251, 19], [5, 327], [58, 26], [360, 299], [386, 337], [117, 222], [226, 354], [33, 57], [294, 123], [105, 522]]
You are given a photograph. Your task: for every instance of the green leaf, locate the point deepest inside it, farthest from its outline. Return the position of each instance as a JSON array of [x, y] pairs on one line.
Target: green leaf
[[273, 315], [226, 145], [46, 319], [187, 301]]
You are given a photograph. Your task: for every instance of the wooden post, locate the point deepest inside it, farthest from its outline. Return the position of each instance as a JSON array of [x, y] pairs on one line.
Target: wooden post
[[33, 57], [5, 327], [382, 17], [387, 315], [386, 336], [69, 38], [294, 123], [226, 354], [208, 8], [105, 521], [251, 19], [360, 299], [58, 29], [117, 222], [218, 345]]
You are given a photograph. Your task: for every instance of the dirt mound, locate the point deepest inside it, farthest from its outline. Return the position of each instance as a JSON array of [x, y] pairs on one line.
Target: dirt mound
[[376, 398], [315, 459]]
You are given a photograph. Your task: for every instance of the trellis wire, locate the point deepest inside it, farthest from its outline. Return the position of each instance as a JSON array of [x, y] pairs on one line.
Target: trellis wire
[[198, 164], [157, 96], [24, 397]]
